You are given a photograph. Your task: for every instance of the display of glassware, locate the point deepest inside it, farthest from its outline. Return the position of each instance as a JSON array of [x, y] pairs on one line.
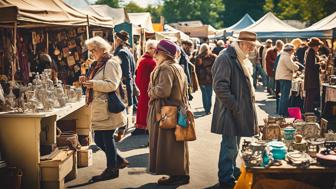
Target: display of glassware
[[42, 94]]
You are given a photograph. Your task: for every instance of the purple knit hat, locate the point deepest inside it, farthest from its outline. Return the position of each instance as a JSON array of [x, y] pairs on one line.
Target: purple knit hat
[[167, 47]]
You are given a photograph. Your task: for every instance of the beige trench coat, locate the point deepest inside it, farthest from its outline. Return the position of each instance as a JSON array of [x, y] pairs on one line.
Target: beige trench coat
[[166, 155], [107, 79]]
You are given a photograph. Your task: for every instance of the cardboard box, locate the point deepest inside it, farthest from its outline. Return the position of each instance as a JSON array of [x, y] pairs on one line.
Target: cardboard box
[[85, 157]]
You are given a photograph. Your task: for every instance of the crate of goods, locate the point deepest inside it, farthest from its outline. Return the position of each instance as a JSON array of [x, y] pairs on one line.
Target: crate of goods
[[85, 157], [54, 171]]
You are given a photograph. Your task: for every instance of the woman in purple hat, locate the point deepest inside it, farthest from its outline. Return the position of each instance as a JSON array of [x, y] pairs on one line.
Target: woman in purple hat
[[166, 155]]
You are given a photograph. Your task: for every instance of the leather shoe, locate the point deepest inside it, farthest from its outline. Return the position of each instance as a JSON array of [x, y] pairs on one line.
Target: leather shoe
[[174, 180], [107, 174], [225, 185], [124, 163]]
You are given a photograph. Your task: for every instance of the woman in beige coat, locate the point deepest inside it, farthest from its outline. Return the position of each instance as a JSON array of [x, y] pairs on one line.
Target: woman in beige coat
[[284, 74], [166, 155], [104, 77]]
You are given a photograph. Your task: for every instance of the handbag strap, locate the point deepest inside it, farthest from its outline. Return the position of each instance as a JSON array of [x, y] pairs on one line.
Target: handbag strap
[[178, 76], [119, 87]]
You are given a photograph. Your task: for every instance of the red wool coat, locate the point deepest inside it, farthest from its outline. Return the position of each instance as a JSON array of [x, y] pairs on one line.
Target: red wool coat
[[271, 55], [145, 68]]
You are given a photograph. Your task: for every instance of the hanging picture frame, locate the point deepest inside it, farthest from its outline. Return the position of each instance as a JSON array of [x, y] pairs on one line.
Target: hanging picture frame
[[71, 60], [65, 52], [98, 33], [81, 30]]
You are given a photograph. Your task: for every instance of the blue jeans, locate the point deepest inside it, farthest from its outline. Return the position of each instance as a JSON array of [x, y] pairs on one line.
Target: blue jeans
[[105, 141], [227, 170], [259, 70], [285, 86], [271, 84], [206, 97]]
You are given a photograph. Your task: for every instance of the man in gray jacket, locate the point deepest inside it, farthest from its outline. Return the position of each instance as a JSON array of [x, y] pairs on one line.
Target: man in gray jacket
[[234, 111]]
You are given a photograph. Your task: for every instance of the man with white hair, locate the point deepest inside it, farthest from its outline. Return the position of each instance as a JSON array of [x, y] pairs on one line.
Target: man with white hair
[[145, 67], [219, 47], [234, 111]]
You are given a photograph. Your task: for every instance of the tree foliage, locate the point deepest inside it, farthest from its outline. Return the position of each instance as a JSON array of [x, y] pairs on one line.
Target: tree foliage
[[236, 9], [309, 11], [228, 12], [155, 11], [205, 10], [111, 3]]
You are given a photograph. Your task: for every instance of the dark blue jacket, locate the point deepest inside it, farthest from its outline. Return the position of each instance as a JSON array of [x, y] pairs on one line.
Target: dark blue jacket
[[184, 62], [128, 70]]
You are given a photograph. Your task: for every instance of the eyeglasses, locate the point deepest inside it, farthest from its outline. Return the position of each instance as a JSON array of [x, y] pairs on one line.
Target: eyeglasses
[[93, 50]]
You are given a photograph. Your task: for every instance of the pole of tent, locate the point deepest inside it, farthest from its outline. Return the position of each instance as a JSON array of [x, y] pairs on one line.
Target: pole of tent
[[47, 40], [14, 50], [87, 27]]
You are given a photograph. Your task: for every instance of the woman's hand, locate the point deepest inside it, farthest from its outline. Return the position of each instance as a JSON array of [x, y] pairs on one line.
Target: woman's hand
[[88, 84]]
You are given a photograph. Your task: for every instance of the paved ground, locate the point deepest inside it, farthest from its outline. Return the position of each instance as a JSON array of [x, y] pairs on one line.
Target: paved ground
[[203, 155]]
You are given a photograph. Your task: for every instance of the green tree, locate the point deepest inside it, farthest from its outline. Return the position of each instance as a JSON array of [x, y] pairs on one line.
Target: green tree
[[236, 9], [208, 11], [133, 7], [309, 11], [155, 11], [111, 3]]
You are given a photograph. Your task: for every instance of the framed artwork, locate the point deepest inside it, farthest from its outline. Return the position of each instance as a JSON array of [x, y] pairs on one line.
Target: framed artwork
[[98, 33], [71, 60], [81, 30], [65, 52]]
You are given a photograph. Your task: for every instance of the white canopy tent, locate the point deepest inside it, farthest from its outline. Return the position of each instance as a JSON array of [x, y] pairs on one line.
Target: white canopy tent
[[143, 20], [269, 26]]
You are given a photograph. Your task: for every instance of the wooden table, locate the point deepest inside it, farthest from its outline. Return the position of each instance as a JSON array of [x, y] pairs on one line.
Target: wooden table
[[22, 133], [311, 175]]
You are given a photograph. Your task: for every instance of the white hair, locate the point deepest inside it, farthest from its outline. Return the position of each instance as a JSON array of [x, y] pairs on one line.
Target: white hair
[[220, 43], [204, 48], [150, 44], [98, 42]]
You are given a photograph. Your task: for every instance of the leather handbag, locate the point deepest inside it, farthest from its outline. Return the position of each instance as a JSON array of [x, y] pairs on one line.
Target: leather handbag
[[185, 129], [114, 104], [186, 133], [168, 117]]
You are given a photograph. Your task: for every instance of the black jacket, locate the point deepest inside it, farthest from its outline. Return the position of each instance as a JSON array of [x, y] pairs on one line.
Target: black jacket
[[312, 71], [234, 110]]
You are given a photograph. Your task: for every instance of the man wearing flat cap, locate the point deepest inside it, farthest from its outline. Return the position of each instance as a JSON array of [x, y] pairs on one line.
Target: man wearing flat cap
[[234, 111], [127, 65], [312, 76]]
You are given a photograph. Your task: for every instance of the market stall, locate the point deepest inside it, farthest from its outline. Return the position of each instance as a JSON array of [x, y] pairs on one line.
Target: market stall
[[41, 51], [50, 27], [288, 149]]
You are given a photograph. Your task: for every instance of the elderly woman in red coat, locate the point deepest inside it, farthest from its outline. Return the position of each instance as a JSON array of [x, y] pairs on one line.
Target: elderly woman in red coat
[[145, 68]]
